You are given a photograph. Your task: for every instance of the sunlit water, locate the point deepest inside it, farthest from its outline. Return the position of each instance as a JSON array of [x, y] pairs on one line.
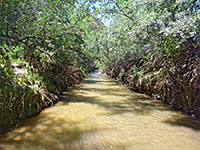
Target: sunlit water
[[101, 114]]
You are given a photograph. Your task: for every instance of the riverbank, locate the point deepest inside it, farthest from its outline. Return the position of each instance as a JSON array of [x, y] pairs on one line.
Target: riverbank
[[101, 114], [174, 80], [26, 94]]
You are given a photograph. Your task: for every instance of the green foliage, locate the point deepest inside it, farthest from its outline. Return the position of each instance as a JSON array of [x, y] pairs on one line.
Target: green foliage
[[49, 45], [149, 42], [148, 27], [41, 53]]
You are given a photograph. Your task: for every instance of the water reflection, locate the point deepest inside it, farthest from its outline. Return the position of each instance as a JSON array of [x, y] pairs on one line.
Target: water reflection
[[101, 114]]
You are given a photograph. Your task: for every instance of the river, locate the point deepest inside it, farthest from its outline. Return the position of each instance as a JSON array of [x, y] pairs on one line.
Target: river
[[101, 114]]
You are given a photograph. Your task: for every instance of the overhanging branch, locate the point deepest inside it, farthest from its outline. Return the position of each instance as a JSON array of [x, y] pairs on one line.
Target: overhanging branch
[[121, 12]]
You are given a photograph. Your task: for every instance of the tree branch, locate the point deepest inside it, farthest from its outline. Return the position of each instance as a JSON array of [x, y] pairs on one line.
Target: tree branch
[[121, 12]]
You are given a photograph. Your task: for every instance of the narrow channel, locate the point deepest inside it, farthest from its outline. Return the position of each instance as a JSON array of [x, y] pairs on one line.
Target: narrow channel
[[101, 114]]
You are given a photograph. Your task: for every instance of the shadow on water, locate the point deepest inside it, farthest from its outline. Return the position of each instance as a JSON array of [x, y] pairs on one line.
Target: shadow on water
[[46, 133], [135, 102], [184, 121], [56, 133], [141, 106], [50, 133], [138, 103], [97, 81]]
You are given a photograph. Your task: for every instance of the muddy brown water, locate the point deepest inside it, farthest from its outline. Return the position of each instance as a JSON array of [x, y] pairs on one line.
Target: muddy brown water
[[101, 114]]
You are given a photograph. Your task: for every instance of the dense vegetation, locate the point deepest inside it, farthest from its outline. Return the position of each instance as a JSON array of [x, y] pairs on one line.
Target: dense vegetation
[[154, 47], [49, 45], [41, 54]]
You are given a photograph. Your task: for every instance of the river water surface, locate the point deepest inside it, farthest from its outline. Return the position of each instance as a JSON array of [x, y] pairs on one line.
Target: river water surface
[[101, 114]]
